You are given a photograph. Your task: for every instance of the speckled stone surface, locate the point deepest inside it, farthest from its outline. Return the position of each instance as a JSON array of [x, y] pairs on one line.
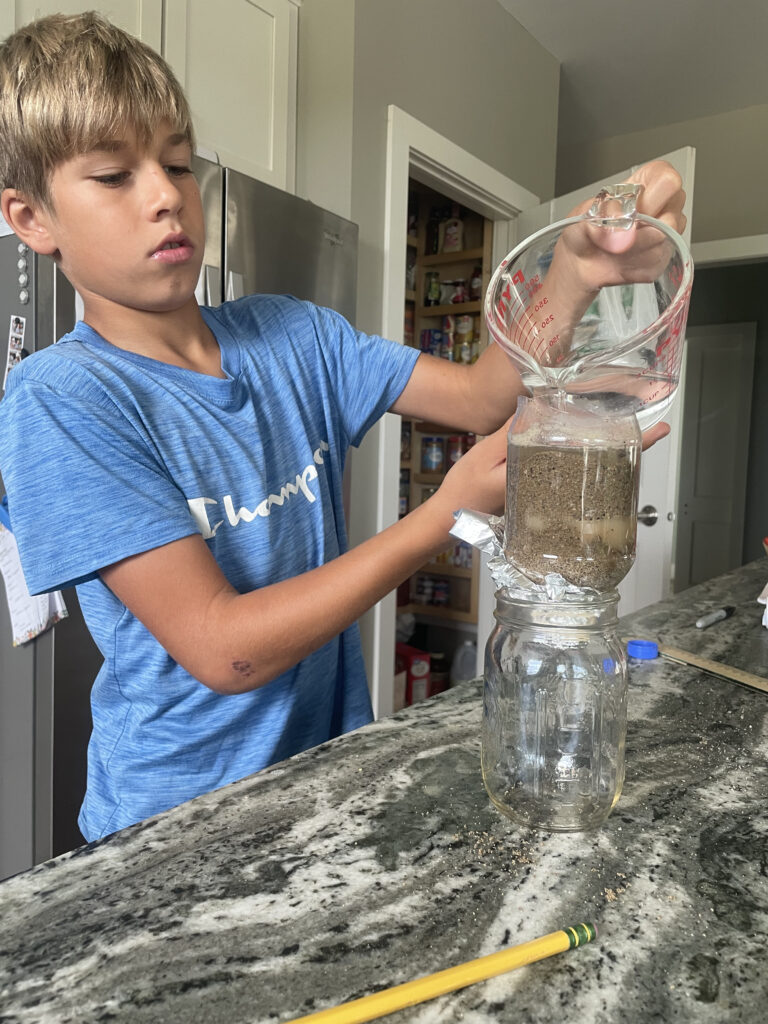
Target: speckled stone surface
[[378, 857]]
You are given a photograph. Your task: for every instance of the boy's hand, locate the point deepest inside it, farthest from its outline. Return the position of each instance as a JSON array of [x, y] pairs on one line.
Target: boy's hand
[[476, 481], [597, 256], [654, 434]]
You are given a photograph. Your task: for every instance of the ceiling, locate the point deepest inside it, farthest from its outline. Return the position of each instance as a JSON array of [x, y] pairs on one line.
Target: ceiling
[[627, 67]]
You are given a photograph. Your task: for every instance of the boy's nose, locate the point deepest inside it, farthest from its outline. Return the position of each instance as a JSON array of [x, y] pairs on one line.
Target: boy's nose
[[163, 196]]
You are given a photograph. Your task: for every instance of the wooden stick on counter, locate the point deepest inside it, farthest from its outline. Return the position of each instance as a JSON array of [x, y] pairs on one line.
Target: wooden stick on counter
[[714, 668], [391, 999]]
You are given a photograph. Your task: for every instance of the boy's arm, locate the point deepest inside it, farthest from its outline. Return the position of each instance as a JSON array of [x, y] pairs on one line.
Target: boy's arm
[[235, 642], [478, 398]]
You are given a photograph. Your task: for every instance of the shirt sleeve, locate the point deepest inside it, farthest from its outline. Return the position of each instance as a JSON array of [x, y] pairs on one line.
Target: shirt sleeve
[[367, 372], [85, 488]]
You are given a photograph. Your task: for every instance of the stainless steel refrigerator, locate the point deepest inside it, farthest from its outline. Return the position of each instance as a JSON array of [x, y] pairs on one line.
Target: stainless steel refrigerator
[[258, 239]]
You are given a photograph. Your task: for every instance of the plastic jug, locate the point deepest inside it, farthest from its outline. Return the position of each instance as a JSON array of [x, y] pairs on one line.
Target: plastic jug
[[607, 332], [464, 663]]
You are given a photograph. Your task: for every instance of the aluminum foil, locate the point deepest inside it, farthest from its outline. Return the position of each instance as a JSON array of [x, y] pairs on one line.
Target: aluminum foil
[[486, 533]]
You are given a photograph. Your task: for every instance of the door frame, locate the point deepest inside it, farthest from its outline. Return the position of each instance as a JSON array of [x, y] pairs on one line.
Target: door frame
[[414, 150]]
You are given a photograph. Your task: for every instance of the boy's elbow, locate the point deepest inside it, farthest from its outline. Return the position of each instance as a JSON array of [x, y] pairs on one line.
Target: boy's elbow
[[227, 675]]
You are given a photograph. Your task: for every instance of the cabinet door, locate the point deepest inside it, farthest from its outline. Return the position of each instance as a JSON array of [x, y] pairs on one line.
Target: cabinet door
[[142, 18], [237, 62]]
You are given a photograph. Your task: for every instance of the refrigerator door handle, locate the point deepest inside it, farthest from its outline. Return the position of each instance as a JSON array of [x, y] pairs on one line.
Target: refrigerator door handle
[[235, 286], [212, 285], [208, 291]]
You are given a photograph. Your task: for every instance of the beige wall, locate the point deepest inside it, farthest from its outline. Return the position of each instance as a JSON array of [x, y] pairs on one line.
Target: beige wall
[[463, 67], [469, 71], [730, 199]]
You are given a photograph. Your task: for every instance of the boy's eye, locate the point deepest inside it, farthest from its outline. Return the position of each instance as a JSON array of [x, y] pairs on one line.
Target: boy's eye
[[176, 170], [112, 180]]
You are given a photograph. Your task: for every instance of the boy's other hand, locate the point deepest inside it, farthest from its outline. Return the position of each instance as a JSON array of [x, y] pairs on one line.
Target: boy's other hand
[[477, 481], [654, 434]]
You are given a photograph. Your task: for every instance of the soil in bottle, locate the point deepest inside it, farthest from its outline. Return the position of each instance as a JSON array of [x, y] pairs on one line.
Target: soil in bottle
[[572, 510]]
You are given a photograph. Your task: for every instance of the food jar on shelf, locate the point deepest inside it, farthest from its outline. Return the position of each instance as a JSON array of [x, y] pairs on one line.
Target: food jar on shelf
[[572, 489], [454, 448], [432, 288], [554, 709], [432, 455]]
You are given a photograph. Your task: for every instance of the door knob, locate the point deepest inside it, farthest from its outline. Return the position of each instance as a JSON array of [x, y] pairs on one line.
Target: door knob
[[647, 515]]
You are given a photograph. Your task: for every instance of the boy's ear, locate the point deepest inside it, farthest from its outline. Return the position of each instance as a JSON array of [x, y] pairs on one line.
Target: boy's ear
[[30, 221]]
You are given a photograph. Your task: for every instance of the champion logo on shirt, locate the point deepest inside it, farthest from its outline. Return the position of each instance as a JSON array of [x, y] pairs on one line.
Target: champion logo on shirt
[[293, 487]]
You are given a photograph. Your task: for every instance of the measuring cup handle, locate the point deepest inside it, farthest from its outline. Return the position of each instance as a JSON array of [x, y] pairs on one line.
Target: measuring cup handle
[[615, 206]]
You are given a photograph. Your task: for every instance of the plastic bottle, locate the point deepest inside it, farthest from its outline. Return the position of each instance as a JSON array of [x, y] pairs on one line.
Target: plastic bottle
[[464, 664]]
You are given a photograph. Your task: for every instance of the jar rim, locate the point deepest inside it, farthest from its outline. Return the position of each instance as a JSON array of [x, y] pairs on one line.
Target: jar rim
[[582, 610], [570, 599]]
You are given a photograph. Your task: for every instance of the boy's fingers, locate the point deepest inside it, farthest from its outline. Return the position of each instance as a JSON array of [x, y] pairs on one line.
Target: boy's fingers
[[662, 189], [654, 434]]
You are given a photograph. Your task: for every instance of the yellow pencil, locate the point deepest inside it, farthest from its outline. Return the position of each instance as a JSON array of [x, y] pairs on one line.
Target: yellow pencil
[[398, 998]]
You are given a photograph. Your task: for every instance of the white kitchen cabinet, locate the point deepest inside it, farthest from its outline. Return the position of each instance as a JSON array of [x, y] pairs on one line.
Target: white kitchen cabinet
[[236, 59], [143, 18], [237, 62]]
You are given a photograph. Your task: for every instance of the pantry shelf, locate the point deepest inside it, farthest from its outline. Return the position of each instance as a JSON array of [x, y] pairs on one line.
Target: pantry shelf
[[437, 612], [444, 569], [449, 309], [439, 258]]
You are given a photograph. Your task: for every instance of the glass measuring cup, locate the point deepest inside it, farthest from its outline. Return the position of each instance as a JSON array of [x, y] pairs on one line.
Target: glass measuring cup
[[595, 307]]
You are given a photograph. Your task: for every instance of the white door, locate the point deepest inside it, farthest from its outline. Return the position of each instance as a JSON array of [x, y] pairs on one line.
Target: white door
[[651, 577]]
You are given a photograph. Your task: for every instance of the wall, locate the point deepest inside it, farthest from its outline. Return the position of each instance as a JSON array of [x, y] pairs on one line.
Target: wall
[[466, 69], [469, 71], [739, 294], [730, 199], [463, 67]]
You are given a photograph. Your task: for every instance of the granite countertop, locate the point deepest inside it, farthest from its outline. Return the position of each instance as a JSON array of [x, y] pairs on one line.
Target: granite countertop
[[378, 857]]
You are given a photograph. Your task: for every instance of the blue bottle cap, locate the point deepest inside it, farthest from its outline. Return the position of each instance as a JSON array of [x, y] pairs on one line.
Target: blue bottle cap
[[643, 649]]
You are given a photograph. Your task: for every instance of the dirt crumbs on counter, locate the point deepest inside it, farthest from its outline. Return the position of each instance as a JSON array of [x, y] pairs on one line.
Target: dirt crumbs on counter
[[484, 844], [572, 510]]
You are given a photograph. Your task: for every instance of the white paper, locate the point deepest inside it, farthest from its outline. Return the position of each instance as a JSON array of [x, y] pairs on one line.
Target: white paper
[[17, 327], [30, 616]]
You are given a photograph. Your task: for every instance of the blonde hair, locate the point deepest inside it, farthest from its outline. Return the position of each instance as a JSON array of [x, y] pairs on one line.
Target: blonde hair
[[68, 82]]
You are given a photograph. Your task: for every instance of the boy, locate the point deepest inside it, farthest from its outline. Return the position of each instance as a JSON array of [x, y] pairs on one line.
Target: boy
[[188, 474]]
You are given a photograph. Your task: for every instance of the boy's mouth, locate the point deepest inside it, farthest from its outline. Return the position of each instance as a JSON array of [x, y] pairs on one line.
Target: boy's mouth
[[175, 248]]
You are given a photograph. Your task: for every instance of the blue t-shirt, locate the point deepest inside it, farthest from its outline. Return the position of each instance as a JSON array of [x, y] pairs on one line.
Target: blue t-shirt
[[131, 453]]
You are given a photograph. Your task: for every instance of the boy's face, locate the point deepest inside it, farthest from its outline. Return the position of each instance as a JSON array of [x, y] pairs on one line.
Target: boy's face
[[127, 224]]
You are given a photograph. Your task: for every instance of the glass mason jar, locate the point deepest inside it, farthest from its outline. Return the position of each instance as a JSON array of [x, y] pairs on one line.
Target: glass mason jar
[[555, 710], [572, 490]]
